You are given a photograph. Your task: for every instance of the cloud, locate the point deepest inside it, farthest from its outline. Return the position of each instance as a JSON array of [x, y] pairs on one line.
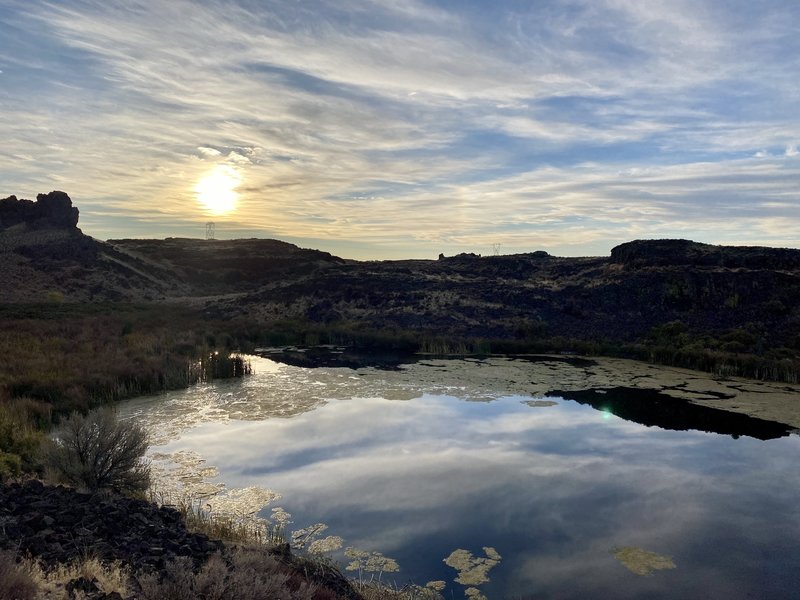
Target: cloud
[[404, 126], [211, 152], [791, 150]]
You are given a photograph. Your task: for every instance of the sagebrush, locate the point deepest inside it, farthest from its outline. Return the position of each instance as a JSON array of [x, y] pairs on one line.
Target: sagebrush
[[97, 450]]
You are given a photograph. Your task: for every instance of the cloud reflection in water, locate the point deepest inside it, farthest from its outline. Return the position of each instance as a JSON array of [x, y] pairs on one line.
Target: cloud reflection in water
[[554, 488]]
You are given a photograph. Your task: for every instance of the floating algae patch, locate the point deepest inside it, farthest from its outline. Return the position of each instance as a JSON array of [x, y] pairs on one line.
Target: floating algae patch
[[539, 403], [474, 594], [183, 475], [473, 570], [242, 502], [365, 561], [642, 562], [326, 544], [436, 586]]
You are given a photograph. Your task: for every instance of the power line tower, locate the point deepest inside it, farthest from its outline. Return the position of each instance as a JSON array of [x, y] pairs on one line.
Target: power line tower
[[496, 249], [210, 227]]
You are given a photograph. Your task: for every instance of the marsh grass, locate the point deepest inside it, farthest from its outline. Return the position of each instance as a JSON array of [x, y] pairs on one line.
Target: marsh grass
[[22, 421], [239, 529], [216, 365], [76, 357]]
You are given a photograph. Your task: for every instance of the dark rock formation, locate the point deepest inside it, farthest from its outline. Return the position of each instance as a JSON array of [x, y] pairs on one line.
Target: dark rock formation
[[59, 524], [664, 253], [53, 210]]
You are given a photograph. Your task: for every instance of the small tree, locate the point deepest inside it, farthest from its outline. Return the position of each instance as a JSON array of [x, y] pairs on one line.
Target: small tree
[[97, 450]]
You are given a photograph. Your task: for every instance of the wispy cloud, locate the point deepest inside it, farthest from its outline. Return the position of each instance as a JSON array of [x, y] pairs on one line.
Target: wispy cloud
[[410, 127]]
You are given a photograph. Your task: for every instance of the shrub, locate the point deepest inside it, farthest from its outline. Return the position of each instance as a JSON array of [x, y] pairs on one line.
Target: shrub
[[97, 450]]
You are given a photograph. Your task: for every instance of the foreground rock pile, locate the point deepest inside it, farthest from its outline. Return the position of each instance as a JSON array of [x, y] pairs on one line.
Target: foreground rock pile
[[58, 524]]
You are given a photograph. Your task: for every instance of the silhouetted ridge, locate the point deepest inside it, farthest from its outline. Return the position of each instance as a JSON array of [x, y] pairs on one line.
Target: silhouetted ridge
[[53, 210], [664, 253]]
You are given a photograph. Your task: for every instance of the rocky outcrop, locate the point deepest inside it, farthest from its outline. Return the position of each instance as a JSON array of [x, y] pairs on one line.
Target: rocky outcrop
[[53, 210], [59, 524], [665, 253]]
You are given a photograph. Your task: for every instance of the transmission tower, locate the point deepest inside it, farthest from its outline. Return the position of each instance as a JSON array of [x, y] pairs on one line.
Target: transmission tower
[[496, 249], [210, 226]]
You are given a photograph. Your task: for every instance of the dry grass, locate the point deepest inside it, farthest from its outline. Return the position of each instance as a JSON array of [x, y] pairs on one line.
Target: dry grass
[[250, 574], [16, 582], [52, 583], [379, 591], [30, 580]]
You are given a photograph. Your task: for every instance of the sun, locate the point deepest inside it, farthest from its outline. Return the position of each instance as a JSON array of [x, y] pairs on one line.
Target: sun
[[216, 192]]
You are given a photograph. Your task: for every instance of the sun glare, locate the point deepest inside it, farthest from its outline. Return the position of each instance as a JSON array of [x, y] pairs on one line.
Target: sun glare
[[216, 192]]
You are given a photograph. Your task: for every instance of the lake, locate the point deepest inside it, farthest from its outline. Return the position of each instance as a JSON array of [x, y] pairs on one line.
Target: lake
[[509, 478]]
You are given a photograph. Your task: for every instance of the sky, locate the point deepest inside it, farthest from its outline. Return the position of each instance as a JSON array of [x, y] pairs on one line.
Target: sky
[[405, 128]]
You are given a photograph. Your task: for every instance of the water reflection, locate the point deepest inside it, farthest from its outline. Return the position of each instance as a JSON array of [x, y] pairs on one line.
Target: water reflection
[[654, 408], [555, 490]]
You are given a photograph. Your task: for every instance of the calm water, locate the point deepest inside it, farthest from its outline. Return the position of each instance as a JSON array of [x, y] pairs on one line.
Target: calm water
[[417, 463]]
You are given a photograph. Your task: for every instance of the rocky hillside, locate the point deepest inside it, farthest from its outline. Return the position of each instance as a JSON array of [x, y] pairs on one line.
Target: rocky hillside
[[740, 300], [45, 257]]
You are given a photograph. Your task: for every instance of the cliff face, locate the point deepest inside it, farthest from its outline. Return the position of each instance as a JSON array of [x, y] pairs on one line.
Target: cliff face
[[665, 253], [53, 210], [45, 257]]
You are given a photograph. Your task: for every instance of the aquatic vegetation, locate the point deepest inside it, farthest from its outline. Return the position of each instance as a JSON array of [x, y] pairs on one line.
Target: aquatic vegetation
[[539, 403], [305, 536], [436, 586], [326, 544], [473, 570], [243, 505], [365, 561], [642, 562], [474, 594]]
